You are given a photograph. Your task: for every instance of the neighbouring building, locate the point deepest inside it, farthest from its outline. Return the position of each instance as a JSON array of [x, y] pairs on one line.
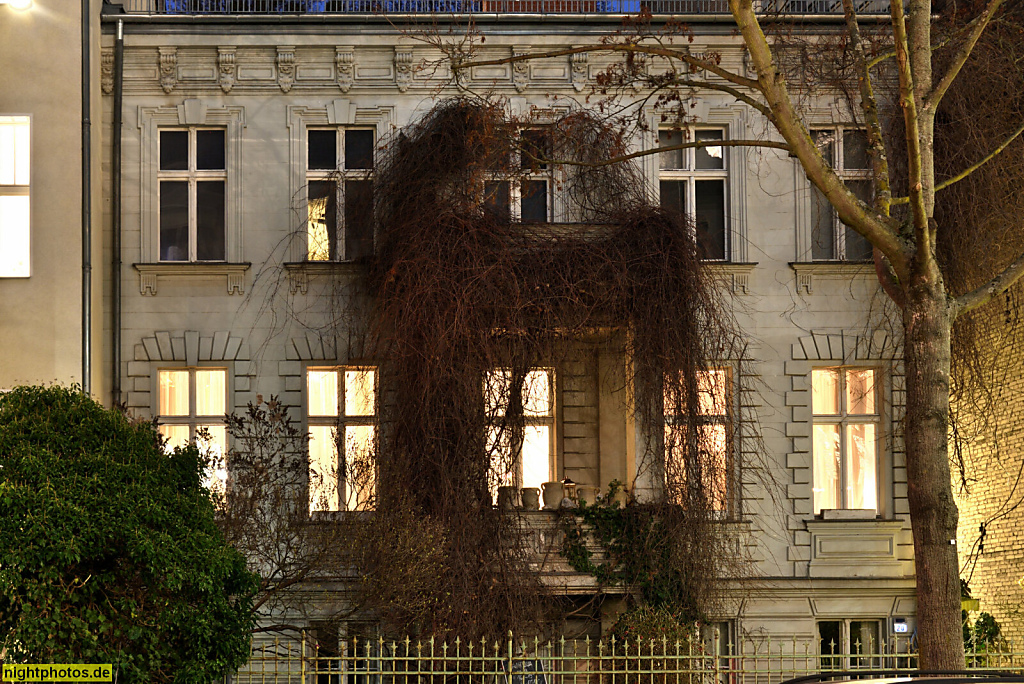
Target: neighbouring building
[[42, 309]]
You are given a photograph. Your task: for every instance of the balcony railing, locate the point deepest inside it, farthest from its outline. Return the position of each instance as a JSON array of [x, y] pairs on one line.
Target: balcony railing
[[341, 7]]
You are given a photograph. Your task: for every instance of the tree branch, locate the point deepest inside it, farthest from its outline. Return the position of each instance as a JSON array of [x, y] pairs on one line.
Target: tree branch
[[658, 150], [993, 288], [970, 169], [960, 57]]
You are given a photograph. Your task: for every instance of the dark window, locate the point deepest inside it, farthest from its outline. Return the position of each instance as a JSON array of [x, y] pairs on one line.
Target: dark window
[[193, 218], [322, 153], [535, 201], [358, 149]]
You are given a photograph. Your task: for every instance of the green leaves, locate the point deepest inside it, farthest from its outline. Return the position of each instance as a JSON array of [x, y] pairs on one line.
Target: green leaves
[[108, 547]]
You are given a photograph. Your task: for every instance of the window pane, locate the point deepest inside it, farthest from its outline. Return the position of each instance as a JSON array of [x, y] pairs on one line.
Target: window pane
[[502, 471], [536, 455], [857, 246], [359, 392], [673, 197], [711, 392], [210, 150], [537, 394], [173, 150], [536, 148], [358, 219], [174, 221], [710, 218], [714, 465], [14, 236], [496, 199], [322, 150], [211, 392], [823, 227], [709, 157], [825, 391], [360, 469], [215, 447], [830, 639], [497, 386], [861, 483], [321, 236], [855, 150], [173, 393], [826, 467], [176, 436], [322, 392], [860, 392], [825, 140], [358, 149], [14, 150], [673, 159], [323, 469], [210, 221], [864, 639], [535, 201]]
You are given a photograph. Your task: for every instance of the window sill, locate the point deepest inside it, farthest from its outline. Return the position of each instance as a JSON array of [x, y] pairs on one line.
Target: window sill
[[299, 272], [151, 273], [807, 271], [734, 275], [856, 547]]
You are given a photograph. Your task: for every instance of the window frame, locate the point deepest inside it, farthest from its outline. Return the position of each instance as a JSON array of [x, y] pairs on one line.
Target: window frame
[[690, 175], [517, 441], [193, 176], [20, 264], [842, 420], [338, 423], [192, 112], [338, 248], [195, 421], [838, 164], [726, 421]]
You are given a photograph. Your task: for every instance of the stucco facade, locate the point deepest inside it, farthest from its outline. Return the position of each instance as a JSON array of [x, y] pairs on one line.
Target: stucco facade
[[267, 80]]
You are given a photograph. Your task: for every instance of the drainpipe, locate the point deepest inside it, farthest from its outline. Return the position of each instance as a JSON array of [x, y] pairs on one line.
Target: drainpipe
[[115, 200], [86, 205]]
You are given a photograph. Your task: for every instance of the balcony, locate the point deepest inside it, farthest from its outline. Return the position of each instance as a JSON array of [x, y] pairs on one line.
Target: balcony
[[326, 8]]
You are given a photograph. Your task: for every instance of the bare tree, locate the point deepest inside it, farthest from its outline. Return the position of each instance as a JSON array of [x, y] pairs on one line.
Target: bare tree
[[903, 66]]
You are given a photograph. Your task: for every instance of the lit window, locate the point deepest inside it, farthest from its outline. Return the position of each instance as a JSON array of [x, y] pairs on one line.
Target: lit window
[[14, 196], [692, 181], [342, 407], [846, 149], [192, 405], [193, 178], [520, 411], [338, 165], [713, 440], [846, 422]]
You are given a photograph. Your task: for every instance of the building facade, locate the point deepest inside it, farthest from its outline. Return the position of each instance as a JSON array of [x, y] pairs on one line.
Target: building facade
[[241, 120]]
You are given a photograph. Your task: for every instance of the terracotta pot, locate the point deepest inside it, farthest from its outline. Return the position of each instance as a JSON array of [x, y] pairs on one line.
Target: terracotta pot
[[553, 493]]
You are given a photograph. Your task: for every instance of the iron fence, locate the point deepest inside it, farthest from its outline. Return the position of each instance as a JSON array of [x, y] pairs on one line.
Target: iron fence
[[580, 661], [327, 7]]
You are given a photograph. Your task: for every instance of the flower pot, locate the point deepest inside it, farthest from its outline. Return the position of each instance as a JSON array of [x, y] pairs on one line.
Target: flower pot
[[553, 493], [530, 497], [507, 497]]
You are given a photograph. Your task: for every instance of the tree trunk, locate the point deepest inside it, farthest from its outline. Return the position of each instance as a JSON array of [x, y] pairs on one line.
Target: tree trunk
[[933, 512]]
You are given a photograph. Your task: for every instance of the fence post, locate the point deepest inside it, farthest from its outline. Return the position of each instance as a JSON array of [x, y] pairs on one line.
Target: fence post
[[302, 658]]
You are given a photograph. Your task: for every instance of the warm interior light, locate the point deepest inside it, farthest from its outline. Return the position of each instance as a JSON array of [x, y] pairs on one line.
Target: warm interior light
[[17, 4]]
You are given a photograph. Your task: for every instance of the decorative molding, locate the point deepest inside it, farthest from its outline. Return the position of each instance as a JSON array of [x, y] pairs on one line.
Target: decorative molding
[[226, 67], [168, 63], [107, 70], [285, 67], [345, 63], [578, 69], [807, 271], [403, 68], [734, 275], [150, 273], [299, 272], [521, 69]]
